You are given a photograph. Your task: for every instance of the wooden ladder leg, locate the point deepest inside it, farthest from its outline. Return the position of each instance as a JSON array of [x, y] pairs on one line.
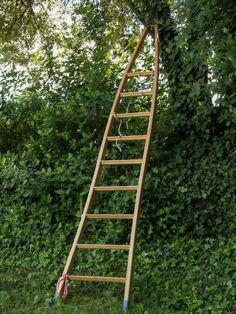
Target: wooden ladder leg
[[78, 236], [79, 233], [130, 266]]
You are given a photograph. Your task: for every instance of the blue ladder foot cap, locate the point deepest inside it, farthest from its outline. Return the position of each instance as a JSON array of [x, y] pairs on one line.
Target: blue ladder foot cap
[[125, 305], [55, 298]]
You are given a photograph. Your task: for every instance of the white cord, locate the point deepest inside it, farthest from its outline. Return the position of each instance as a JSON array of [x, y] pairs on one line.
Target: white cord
[[120, 135]]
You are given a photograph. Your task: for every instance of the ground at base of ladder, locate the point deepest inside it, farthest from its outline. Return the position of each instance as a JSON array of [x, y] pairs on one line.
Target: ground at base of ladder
[[25, 298]]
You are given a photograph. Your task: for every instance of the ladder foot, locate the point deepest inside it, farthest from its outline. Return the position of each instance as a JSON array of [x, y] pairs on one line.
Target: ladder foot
[[125, 305], [55, 298]]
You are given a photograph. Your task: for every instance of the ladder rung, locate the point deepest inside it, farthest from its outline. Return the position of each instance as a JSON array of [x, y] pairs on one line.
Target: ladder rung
[[122, 162], [131, 115], [136, 94], [102, 246], [110, 216], [126, 138], [116, 188], [144, 73], [96, 278]]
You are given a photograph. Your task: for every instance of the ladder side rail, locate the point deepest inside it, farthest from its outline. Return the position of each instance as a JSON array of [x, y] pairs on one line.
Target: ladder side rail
[[88, 204], [133, 237]]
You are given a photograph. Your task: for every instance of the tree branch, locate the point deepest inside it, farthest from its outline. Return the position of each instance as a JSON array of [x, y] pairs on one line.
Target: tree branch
[[134, 9]]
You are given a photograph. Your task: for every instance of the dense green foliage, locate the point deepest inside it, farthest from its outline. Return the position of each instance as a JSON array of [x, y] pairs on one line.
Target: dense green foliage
[[53, 109]]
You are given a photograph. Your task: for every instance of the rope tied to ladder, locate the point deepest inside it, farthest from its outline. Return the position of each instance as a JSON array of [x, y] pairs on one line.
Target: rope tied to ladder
[[65, 280], [120, 135], [119, 128]]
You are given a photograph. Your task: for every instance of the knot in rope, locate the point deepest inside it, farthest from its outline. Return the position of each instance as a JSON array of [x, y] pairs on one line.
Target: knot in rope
[[64, 279]]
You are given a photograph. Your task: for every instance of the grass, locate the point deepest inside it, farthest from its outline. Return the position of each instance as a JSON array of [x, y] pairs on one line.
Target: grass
[[18, 295], [183, 276]]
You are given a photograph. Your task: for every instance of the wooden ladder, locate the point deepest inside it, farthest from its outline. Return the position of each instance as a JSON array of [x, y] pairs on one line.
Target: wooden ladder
[[101, 162]]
